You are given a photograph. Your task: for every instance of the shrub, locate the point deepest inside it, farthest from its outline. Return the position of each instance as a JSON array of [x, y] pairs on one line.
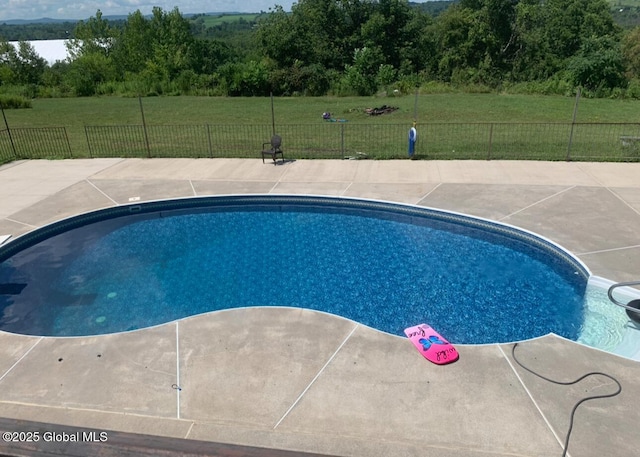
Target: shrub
[[633, 90], [86, 72], [598, 66], [186, 81], [438, 87], [107, 88], [27, 91], [14, 102], [244, 79], [407, 84], [53, 92], [556, 85]]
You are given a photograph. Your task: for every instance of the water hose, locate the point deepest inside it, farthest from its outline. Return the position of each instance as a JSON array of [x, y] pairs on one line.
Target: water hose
[[568, 383]]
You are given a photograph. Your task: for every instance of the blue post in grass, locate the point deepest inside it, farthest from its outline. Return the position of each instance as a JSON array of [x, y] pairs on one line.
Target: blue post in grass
[[413, 136]]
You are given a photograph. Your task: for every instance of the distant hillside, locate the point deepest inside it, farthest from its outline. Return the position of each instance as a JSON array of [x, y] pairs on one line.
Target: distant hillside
[[121, 17], [44, 20], [626, 16], [60, 29], [27, 31], [435, 7], [623, 3]]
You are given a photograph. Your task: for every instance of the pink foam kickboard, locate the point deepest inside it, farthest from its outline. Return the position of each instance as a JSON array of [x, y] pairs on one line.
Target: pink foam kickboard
[[431, 344]]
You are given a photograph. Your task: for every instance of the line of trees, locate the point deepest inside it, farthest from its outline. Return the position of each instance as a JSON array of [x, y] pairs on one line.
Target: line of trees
[[344, 47]]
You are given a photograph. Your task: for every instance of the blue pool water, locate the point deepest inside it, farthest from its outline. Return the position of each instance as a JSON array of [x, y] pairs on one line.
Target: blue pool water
[[380, 265]]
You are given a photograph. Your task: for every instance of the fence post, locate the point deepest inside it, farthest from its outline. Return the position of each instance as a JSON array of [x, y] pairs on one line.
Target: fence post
[[86, 134], [490, 140], [13, 146], [144, 128], [573, 123], [209, 139], [66, 136], [342, 140], [273, 117]]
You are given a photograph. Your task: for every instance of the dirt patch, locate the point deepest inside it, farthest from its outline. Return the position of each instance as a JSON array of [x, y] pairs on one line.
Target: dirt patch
[[384, 109]]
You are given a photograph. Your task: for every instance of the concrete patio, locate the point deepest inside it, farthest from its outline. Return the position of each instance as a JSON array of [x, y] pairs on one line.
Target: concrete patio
[[320, 383]]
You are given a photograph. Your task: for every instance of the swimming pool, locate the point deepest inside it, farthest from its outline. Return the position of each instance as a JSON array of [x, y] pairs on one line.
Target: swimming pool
[[384, 265]]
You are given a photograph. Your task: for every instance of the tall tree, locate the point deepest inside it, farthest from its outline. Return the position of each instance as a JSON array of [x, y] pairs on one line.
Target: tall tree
[[173, 41], [29, 66], [280, 40], [134, 46], [551, 32], [419, 52], [478, 40], [21, 64], [387, 29], [93, 36], [599, 64], [208, 55], [323, 32], [631, 52], [458, 43], [7, 57], [90, 55]]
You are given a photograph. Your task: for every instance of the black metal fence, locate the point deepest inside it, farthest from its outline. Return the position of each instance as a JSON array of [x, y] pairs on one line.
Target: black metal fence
[[486, 141], [35, 143]]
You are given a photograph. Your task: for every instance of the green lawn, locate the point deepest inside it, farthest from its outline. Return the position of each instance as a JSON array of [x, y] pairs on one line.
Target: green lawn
[[74, 112], [450, 126]]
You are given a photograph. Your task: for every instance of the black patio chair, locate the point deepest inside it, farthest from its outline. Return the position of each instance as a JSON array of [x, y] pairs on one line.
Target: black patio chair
[[275, 150]]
